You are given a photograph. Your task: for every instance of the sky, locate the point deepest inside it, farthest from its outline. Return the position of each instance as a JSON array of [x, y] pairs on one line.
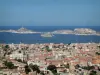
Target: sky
[[49, 12]]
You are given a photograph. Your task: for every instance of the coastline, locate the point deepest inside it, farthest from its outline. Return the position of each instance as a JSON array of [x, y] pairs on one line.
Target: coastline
[[76, 31], [61, 37]]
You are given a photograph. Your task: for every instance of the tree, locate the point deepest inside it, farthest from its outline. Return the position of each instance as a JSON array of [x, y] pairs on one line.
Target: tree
[[42, 73], [77, 66], [69, 43], [35, 68], [88, 67], [97, 53], [98, 47], [7, 46], [67, 65], [19, 51], [9, 65], [27, 69], [19, 60], [47, 48], [8, 53], [52, 68], [93, 72]]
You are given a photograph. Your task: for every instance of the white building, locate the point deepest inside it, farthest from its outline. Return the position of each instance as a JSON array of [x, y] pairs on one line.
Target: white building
[[17, 55]]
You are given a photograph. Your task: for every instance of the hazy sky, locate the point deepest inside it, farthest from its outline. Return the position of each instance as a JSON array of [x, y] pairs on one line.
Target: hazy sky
[[49, 12]]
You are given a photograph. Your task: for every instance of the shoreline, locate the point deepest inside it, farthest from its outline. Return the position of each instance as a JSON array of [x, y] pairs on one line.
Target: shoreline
[[76, 31], [49, 43], [50, 32]]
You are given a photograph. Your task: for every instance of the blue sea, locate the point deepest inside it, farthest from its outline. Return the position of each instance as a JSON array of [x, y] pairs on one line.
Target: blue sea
[[6, 37]]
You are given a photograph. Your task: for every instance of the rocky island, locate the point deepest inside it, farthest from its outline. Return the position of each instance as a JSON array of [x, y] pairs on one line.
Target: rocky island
[[84, 31], [78, 31], [48, 34], [22, 30]]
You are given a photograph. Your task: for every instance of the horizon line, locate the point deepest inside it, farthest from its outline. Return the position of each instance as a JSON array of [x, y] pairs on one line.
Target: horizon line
[[49, 25]]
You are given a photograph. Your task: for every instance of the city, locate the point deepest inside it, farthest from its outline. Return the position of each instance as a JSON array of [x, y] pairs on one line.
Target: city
[[66, 59]]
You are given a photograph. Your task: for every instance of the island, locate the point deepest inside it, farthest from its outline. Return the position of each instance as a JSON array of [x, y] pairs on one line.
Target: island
[[22, 30], [48, 34], [78, 31], [84, 31]]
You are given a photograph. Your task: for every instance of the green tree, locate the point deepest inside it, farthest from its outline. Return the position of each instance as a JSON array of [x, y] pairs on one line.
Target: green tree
[[88, 67], [98, 47], [53, 69], [9, 65], [19, 51], [19, 60], [66, 65], [97, 53], [27, 69], [35, 68], [77, 66], [93, 73], [42, 73], [48, 49], [7, 46]]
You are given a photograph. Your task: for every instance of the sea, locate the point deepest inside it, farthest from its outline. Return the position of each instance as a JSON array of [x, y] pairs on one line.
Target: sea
[[8, 38]]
